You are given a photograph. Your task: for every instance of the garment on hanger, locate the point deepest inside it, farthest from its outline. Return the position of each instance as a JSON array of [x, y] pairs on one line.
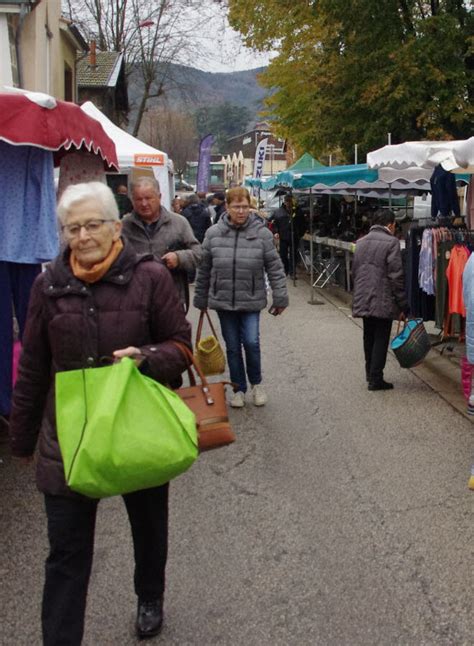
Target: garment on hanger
[[78, 167], [426, 265], [457, 262], [470, 204], [468, 295], [16, 280], [421, 304], [29, 232], [444, 196]]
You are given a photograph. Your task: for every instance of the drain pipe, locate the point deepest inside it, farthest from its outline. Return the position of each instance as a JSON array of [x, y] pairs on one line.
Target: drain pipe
[[23, 13]]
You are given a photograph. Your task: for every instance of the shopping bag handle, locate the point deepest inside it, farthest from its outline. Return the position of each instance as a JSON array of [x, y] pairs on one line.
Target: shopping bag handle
[[401, 319], [204, 314]]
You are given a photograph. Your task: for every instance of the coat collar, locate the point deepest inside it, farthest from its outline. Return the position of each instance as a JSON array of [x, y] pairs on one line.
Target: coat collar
[[249, 229], [165, 217], [60, 280]]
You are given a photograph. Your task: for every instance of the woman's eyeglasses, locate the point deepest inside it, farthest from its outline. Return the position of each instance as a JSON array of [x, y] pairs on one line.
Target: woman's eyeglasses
[[239, 207], [74, 230]]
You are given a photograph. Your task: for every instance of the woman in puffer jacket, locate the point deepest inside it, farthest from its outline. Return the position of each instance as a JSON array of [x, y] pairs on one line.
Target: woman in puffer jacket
[[236, 253]]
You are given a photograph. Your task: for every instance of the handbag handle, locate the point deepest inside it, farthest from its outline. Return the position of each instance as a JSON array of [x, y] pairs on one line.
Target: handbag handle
[[204, 385], [204, 314]]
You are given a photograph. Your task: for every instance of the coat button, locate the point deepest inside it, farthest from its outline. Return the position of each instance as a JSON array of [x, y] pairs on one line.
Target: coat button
[[120, 277], [90, 360], [68, 286], [83, 288], [50, 287], [91, 310]]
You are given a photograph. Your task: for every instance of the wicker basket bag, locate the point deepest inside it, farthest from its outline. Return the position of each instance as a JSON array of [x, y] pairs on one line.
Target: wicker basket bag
[[412, 344], [208, 351]]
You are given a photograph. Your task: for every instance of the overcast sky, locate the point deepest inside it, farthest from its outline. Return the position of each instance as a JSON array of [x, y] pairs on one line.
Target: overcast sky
[[225, 51]]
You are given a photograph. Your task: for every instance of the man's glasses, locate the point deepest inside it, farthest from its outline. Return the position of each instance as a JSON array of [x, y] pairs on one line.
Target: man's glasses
[[74, 230]]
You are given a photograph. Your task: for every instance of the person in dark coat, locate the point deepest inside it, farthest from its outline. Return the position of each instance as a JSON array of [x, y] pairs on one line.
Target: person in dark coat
[[379, 293], [288, 227], [218, 203], [197, 214], [97, 299]]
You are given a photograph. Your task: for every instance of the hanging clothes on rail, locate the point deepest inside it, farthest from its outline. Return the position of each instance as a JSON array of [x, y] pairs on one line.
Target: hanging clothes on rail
[[426, 265], [457, 262], [422, 305], [29, 236], [444, 195]]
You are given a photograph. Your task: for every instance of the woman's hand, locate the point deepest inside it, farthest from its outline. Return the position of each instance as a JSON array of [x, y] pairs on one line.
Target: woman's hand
[[131, 351], [276, 310]]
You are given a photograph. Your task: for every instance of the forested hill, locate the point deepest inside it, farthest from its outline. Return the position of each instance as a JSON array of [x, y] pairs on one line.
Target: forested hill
[[187, 88]]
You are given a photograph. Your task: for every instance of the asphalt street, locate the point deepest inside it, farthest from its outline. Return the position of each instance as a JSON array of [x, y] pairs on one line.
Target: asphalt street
[[340, 517]]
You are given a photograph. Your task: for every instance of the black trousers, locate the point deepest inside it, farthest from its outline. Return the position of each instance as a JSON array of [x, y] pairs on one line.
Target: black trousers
[[71, 525], [376, 340], [285, 254]]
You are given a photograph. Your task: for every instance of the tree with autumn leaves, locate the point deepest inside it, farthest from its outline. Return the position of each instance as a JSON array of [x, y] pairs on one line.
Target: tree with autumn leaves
[[350, 71]]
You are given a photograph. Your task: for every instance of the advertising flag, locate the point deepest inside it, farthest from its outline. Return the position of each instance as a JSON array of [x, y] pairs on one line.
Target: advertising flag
[[204, 164], [260, 154]]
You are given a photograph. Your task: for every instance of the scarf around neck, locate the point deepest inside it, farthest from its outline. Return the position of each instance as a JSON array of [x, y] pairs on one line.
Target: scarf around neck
[[97, 271]]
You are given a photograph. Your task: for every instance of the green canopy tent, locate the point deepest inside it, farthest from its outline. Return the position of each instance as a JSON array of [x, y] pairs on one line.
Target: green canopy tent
[[304, 163]]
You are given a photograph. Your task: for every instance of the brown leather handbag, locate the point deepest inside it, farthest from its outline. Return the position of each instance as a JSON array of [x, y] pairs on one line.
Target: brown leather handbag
[[207, 401]]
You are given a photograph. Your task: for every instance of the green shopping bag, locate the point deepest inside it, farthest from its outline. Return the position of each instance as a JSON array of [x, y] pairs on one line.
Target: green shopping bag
[[120, 431]]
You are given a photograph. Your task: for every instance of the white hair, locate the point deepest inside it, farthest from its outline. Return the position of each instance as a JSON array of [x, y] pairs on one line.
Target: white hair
[[96, 191], [145, 181]]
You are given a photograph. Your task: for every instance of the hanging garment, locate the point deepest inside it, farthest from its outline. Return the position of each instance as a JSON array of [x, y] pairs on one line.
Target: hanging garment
[[29, 232], [421, 304], [78, 167], [15, 286], [442, 260], [444, 196], [470, 205], [425, 269], [457, 262], [468, 295]]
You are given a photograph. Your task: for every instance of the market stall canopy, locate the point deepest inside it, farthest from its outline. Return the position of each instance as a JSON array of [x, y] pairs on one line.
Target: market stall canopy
[[454, 156], [354, 178], [39, 120], [131, 151]]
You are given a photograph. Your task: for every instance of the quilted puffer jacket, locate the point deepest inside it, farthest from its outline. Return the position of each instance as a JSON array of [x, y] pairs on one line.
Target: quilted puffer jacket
[[377, 275], [72, 325], [232, 271]]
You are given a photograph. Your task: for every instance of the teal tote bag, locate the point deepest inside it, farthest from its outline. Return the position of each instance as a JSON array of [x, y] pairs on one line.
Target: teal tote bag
[[120, 431]]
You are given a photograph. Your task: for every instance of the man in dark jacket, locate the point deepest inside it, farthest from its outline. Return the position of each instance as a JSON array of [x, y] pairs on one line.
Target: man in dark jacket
[[218, 203], [151, 228], [197, 214], [288, 226], [379, 293]]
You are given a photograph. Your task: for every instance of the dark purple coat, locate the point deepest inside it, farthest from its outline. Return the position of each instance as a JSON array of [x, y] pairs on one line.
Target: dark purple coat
[[73, 325]]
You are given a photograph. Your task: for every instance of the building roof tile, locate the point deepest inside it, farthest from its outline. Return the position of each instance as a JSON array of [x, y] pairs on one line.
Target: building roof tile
[[105, 72]]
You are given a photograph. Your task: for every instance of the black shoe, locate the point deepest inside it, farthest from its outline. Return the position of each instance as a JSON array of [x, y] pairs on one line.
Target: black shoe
[[149, 618], [380, 385]]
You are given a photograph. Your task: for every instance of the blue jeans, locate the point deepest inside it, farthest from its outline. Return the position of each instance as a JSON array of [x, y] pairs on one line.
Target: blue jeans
[[242, 329]]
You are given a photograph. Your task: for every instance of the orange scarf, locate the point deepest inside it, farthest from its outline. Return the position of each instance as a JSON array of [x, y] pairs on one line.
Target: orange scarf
[[98, 270]]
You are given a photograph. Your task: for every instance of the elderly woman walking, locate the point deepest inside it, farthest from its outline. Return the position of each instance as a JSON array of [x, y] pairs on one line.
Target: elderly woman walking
[[98, 299], [237, 251]]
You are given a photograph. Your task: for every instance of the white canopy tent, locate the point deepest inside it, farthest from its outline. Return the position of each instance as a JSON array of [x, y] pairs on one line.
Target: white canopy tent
[[134, 154], [454, 156]]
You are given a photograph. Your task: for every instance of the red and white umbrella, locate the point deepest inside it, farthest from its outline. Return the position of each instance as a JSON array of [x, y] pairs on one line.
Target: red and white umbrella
[[35, 119]]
